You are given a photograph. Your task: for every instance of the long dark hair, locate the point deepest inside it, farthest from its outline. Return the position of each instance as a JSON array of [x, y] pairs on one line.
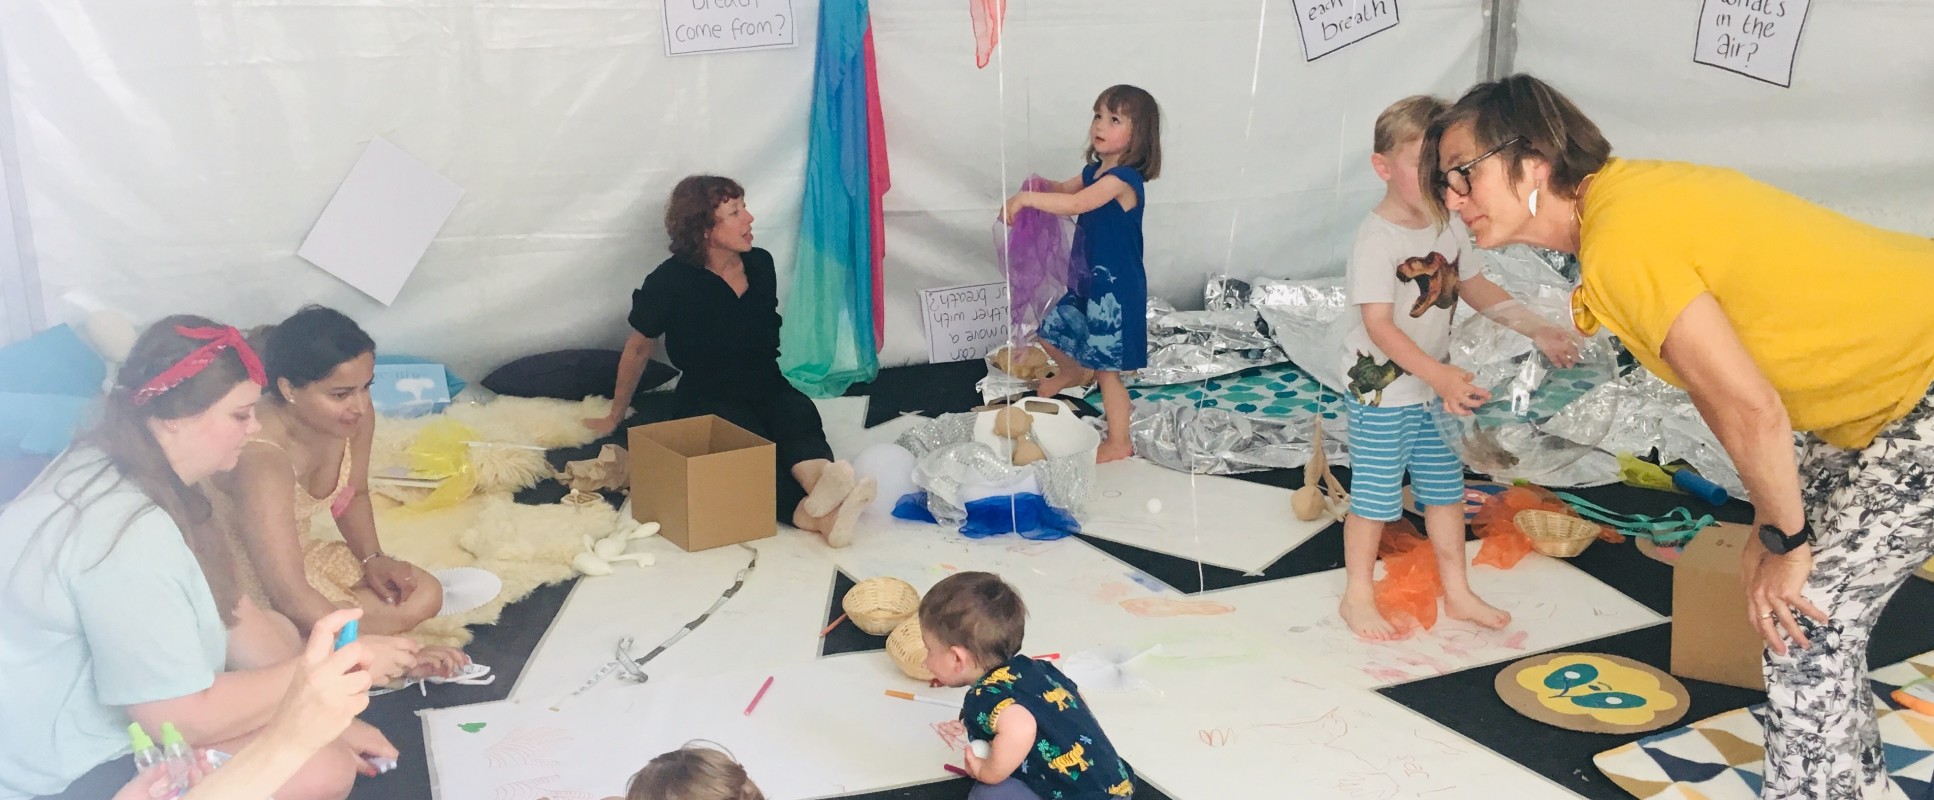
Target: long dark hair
[[133, 456], [308, 346]]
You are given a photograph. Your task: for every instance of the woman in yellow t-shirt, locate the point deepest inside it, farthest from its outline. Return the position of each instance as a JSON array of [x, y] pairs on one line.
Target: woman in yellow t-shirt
[[1777, 316]]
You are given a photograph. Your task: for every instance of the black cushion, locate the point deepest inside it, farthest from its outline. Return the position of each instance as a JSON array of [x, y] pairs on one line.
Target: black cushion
[[570, 375]]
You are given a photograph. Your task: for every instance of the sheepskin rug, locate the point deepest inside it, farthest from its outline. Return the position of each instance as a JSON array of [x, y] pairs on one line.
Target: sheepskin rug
[[527, 546]]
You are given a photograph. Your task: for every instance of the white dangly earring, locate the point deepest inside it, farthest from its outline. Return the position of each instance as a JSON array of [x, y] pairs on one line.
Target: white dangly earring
[[1534, 202]]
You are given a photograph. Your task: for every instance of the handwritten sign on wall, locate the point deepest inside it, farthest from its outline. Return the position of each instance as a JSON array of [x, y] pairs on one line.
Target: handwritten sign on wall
[[1755, 38], [1331, 25], [714, 26], [964, 322]]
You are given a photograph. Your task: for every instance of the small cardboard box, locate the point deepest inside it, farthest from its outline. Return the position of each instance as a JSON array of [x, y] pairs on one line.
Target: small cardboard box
[[706, 482], [1711, 638]]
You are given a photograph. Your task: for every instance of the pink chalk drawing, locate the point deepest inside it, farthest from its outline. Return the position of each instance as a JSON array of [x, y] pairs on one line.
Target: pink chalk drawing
[[540, 789], [1216, 737], [1156, 607], [1113, 591], [953, 733], [527, 747], [987, 16]]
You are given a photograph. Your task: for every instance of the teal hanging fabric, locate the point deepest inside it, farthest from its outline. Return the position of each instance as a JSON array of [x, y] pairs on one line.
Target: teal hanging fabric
[[828, 342]]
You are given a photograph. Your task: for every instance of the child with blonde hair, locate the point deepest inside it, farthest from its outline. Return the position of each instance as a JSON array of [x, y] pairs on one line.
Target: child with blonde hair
[[1406, 274]]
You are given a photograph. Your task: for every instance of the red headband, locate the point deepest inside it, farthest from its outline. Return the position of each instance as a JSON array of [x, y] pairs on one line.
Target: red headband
[[218, 339]]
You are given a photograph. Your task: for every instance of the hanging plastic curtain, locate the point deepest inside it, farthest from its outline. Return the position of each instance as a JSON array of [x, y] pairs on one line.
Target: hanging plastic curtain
[[834, 313]]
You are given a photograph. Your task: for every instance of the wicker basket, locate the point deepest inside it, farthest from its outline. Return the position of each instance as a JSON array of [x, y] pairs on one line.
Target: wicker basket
[[1556, 534], [878, 605], [909, 653]]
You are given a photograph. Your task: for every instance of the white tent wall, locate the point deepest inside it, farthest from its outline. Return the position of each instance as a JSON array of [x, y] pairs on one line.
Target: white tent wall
[[1853, 132], [174, 153]]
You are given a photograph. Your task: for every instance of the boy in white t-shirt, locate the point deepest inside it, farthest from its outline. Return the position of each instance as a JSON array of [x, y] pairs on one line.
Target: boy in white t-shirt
[[1406, 275]]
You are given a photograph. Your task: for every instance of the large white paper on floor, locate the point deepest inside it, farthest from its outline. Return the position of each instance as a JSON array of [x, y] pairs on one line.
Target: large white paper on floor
[[1552, 605], [1215, 520], [1215, 726], [781, 608], [381, 221], [825, 728]]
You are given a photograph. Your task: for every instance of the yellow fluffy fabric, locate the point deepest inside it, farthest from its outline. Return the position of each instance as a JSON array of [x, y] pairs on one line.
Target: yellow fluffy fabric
[[526, 546]]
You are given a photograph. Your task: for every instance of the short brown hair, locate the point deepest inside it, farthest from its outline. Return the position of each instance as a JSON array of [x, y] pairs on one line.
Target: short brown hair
[[693, 772], [1405, 120], [692, 211], [1145, 141], [1544, 123], [976, 611]]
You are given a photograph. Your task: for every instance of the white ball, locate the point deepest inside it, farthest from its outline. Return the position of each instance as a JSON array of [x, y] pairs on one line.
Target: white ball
[[1154, 506], [892, 467], [980, 747]]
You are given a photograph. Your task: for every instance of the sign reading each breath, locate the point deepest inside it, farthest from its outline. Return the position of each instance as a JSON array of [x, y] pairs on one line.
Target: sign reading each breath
[[712, 26], [964, 322], [1331, 25], [1755, 38]]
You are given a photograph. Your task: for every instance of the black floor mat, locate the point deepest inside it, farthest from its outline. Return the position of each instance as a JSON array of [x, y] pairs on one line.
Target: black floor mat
[[1463, 701]]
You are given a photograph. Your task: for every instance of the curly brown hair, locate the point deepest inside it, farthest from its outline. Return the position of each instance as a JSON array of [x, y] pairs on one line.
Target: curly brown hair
[[1533, 120], [976, 611], [691, 212]]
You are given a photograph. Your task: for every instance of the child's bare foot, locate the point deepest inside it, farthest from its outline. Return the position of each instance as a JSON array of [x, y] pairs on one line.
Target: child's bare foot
[[1359, 611], [1468, 607], [1063, 379], [1113, 450]]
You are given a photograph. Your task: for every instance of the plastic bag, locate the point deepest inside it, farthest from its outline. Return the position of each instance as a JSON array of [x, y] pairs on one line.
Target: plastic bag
[[442, 449], [1408, 592]]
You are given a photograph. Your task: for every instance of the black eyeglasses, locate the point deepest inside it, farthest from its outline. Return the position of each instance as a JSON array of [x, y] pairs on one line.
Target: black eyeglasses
[[1458, 178]]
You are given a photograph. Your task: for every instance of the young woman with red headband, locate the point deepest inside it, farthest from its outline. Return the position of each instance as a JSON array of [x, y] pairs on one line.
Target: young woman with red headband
[[120, 595]]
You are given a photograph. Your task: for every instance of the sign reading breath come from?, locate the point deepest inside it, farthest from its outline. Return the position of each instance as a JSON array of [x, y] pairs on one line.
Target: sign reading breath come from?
[[714, 26]]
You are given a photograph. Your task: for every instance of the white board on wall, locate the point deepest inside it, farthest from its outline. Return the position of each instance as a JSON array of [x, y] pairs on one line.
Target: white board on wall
[[381, 221], [964, 322], [693, 27], [1755, 38]]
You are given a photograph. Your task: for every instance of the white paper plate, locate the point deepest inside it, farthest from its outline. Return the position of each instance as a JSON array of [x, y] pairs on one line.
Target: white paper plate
[[466, 589]]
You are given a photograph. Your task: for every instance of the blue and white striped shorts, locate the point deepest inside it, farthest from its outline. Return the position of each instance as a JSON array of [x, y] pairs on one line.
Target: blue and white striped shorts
[[1384, 442]]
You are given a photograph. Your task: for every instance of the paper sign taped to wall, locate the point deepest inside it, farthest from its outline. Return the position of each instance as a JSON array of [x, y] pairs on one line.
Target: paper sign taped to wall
[[1755, 38], [382, 219], [716, 26], [964, 322], [1331, 25]]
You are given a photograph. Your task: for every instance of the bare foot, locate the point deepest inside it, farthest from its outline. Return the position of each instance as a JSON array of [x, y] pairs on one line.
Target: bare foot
[[1113, 450], [835, 483], [1063, 379], [1359, 610], [839, 533], [1467, 607]]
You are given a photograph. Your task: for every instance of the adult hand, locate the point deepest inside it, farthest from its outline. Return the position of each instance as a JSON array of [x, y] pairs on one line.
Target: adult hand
[[602, 426], [154, 783], [1558, 344], [392, 580], [330, 688], [1461, 397], [390, 657], [368, 743], [1774, 593]]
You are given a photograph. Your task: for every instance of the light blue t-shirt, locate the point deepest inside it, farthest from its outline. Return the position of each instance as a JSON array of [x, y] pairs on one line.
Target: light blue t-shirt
[[105, 607]]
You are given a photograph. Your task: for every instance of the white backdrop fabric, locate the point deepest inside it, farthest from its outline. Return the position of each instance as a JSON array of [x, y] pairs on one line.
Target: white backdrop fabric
[[175, 152], [172, 154]]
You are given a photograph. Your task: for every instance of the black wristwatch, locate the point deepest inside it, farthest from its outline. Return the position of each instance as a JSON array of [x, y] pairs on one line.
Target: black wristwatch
[[1780, 543]]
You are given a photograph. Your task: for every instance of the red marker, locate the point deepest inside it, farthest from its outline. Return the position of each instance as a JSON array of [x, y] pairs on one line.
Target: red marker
[[1048, 657], [957, 771], [757, 697]]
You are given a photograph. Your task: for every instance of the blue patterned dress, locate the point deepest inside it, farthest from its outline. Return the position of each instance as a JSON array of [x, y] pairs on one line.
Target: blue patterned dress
[[1103, 322]]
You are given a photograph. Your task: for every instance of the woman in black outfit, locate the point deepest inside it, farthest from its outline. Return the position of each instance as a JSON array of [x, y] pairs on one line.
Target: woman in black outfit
[[716, 303]]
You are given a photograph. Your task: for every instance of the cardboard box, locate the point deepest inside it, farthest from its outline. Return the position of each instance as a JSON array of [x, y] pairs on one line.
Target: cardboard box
[[706, 482], [1711, 638]]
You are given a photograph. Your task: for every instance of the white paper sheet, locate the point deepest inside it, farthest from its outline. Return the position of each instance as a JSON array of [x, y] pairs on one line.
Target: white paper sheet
[[1552, 605], [1222, 521], [381, 221]]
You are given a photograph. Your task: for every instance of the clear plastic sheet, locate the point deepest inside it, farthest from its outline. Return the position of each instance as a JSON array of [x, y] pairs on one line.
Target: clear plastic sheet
[[949, 463]]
